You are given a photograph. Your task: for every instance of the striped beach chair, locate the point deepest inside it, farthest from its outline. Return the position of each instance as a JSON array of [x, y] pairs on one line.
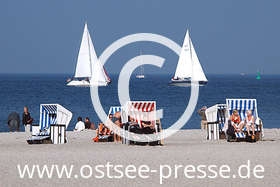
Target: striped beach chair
[[114, 109], [216, 118], [54, 120], [242, 105], [141, 111], [48, 116]]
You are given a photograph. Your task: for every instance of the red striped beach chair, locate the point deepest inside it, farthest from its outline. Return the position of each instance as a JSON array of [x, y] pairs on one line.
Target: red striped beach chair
[[141, 111]]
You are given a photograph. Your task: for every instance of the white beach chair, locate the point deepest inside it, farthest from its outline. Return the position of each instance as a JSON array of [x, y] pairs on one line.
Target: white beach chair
[[216, 119], [242, 105], [54, 120], [140, 111]]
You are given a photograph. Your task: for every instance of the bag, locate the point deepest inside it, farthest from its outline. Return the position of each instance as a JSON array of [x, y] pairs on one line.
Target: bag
[[251, 139], [230, 131]]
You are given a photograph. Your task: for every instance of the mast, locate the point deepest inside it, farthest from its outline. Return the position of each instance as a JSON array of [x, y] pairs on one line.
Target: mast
[[90, 60], [190, 53]]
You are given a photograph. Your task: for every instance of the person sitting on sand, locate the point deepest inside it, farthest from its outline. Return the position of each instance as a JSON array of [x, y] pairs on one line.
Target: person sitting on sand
[[236, 121], [80, 125], [250, 122], [101, 131], [87, 123]]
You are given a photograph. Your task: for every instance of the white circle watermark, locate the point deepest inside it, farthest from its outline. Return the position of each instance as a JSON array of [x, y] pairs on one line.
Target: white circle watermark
[[123, 87]]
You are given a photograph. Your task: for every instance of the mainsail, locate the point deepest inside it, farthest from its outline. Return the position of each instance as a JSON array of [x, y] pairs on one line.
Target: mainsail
[[83, 68], [184, 65]]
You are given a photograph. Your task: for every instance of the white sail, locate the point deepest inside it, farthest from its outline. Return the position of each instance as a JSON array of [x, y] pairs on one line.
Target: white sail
[[99, 76], [197, 71], [184, 65], [83, 68]]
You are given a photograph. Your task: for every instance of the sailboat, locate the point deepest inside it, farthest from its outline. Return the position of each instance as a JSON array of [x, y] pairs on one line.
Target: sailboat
[[188, 67], [88, 68], [141, 75]]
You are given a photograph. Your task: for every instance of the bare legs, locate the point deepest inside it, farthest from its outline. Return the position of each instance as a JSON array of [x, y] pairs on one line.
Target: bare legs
[[248, 129]]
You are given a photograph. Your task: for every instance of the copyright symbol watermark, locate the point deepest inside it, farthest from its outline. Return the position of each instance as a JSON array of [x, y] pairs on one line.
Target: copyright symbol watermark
[[123, 86]]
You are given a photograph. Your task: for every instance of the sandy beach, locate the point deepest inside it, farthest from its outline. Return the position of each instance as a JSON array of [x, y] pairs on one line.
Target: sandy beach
[[186, 147]]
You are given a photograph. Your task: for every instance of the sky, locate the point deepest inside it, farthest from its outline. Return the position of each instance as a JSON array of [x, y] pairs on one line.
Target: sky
[[230, 36]]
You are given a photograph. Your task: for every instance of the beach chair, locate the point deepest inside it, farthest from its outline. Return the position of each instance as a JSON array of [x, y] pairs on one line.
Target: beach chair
[[216, 118], [242, 105], [54, 120], [140, 111]]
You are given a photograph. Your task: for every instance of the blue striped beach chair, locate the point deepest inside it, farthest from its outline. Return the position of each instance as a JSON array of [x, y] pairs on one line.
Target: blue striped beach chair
[[114, 109], [48, 116], [54, 120], [242, 105]]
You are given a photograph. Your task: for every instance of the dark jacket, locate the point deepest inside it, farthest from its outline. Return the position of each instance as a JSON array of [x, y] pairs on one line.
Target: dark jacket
[[87, 125], [26, 118]]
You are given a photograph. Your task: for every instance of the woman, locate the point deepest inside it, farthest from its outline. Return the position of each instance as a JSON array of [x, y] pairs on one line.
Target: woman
[[236, 121], [100, 131], [250, 122]]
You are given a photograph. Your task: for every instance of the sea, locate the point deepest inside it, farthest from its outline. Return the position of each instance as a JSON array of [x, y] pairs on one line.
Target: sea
[[19, 90]]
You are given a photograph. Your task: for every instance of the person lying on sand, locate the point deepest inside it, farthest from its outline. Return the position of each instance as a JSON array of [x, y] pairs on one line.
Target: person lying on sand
[[236, 121]]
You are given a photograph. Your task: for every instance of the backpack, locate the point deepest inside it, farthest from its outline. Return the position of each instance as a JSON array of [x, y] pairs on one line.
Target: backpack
[[230, 131]]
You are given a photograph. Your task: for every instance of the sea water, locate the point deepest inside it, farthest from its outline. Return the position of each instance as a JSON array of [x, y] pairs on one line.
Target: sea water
[[18, 91]]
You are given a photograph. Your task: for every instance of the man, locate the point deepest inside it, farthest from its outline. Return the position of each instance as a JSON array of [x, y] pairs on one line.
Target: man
[[87, 123], [201, 112], [26, 119], [13, 121], [80, 126]]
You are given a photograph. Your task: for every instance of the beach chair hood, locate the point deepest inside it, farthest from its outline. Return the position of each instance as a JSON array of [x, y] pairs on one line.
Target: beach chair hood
[[53, 114]]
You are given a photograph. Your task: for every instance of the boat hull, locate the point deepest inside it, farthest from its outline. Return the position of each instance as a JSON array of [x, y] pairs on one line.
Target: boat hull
[[78, 83], [185, 83], [140, 76], [83, 83]]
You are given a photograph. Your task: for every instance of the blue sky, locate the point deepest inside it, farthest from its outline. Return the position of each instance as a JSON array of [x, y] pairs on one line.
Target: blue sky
[[230, 36]]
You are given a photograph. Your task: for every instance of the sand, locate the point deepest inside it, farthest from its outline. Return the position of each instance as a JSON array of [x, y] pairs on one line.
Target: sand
[[187, 147]]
